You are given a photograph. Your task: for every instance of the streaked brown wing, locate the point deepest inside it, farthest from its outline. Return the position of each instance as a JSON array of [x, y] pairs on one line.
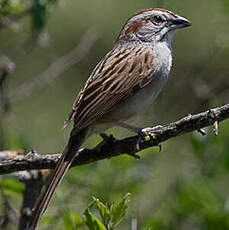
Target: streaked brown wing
[[113, 79]]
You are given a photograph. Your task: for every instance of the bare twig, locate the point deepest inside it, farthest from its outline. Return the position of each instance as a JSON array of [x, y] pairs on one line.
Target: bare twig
[[33, 180], [55, 69], [7, 67], [106, 149]]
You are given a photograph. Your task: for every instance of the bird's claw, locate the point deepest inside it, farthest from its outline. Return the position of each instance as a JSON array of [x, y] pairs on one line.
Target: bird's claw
[[111, 139], [147, 134], [108, 138]]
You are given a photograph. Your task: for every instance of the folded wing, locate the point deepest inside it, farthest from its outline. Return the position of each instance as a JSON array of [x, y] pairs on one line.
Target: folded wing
[[117, 76]]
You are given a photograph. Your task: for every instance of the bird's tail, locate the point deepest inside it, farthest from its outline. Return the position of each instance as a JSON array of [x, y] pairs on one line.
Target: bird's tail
[[63, 164]]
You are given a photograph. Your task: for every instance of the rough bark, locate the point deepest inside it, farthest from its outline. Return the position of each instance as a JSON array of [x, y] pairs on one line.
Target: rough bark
[[111, 147]]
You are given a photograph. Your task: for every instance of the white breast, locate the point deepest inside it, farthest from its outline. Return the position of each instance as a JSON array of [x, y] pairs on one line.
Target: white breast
[[144, 98], [163, 58]]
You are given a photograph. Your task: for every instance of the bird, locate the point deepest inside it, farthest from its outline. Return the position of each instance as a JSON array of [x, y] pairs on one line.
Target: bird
[[124, 83]]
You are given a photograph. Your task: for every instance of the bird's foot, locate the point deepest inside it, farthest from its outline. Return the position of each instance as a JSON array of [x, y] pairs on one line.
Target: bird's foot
[[147, 135], [110, 139]]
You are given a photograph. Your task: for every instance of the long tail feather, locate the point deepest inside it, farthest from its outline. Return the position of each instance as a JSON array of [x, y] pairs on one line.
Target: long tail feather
[[62, 167]]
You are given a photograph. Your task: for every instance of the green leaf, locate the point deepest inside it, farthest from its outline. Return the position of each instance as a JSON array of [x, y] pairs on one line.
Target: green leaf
[[155, 223], [48, 219], [118, 211], [11, 6], [71, 219], [92, 222], [103, 211], [11, 186]]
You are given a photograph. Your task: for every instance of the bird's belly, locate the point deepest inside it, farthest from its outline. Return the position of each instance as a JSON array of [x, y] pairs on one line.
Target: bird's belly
[[140, 101], [131, 106]]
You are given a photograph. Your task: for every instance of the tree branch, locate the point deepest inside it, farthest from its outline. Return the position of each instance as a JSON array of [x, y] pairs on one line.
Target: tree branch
[[109, 148], [55, 70], [34, 181]]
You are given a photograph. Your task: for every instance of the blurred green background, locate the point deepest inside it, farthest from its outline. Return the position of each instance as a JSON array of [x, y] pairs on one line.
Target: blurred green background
[[183, 187]]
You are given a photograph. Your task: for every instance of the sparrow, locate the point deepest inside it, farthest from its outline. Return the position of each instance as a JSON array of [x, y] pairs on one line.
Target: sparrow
[[124, 83]]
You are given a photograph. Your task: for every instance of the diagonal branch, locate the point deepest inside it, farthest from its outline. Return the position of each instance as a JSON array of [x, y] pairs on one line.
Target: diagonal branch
[[107, 148], [55, 70]]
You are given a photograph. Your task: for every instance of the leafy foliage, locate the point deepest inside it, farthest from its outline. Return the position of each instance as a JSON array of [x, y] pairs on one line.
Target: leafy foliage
[[11, 6], [37, 9], [111, 215], [39, 14], [71, 219], [11, 187]]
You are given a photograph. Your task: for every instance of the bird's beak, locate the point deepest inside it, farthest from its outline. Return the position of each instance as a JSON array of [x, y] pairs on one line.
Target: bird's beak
[[179, 22]]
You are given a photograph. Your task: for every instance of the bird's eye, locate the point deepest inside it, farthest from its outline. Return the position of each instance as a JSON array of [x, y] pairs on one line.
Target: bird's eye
[[158, 19]]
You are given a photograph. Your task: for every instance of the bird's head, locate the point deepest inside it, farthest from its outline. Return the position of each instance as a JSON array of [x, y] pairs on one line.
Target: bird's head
[[152, 25]]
